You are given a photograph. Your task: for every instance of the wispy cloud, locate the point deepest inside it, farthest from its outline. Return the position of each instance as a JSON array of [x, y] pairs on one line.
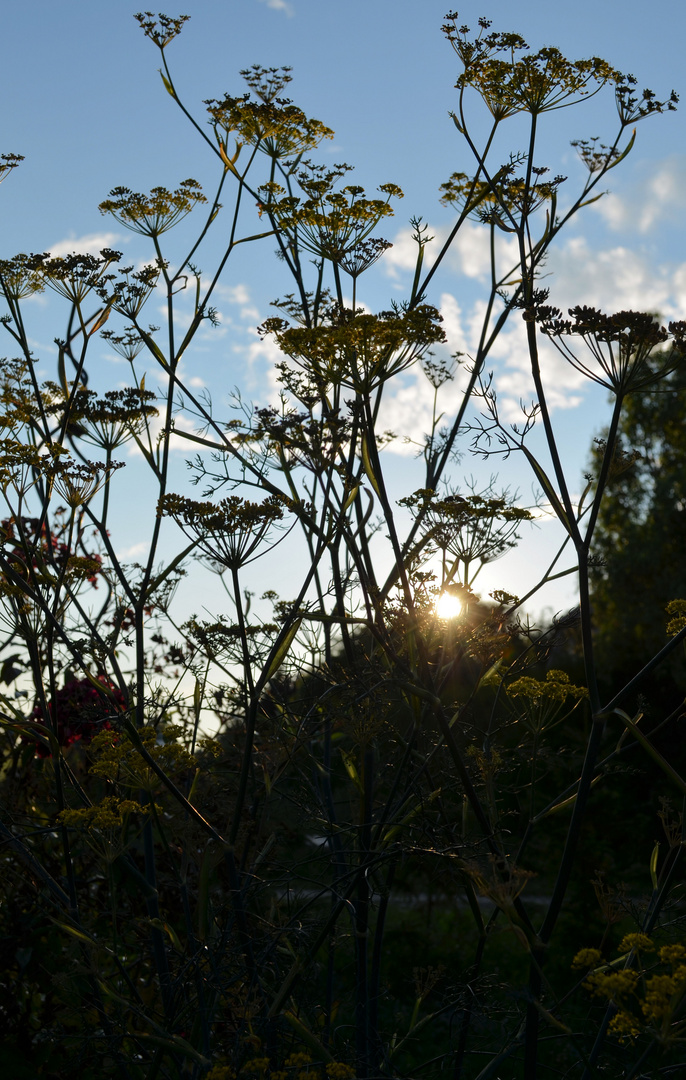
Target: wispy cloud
[[240, 295], [657, 197], [133, 552], [280, 5]]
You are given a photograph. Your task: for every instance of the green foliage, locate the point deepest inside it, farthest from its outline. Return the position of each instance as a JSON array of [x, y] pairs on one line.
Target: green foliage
[[641, 533]]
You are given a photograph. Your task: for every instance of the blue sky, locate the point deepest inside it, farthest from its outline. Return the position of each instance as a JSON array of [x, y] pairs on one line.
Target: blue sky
[[85, 105]]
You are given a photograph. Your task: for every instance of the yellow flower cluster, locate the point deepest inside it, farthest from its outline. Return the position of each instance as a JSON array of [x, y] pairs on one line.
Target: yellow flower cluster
[[672, 954], [642, 1000], [116, 758], [257, 1065], [302, 1061], [276, 128], [637, 942], [615, 985], [153, 214], [300, 1057], [543, 699], [229, 532], [555, 687], [108, 814], [297, 1066], [660, 989], [487, 764], [587, 958], [359, 350], [532, 83], [500, 201], [221, 1072], [211, 746], [677, 609], [338, 1071], [624, 1026]]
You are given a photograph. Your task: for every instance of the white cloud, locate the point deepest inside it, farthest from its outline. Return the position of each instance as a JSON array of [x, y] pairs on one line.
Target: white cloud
[[513, 381], [408, 407], [91, 244], [658, 196], [235, 294], [615, 279], [239, 294], [263, 349], [611, 278], [469, 253], [402, 256], [156, 427], [280, 5], [452, 323], [133, 552]]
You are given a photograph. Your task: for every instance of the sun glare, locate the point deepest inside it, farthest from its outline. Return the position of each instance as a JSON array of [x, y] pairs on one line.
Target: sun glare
[[448, 606]]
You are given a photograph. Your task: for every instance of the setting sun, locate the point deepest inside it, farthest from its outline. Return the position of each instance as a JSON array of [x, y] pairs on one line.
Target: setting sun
[[448, 606]]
